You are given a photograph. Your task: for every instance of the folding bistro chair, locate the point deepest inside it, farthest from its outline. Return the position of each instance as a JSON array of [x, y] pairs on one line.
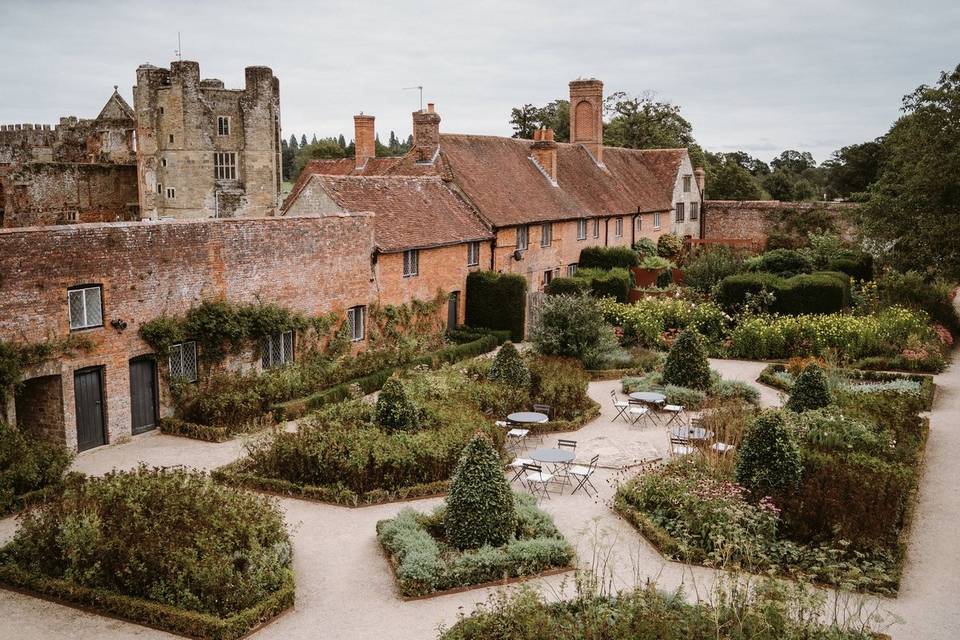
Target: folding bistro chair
[[562, 469], [517, 467], [675, 411], [620, 406], [680, 446], [517, 439], [544, 409], [638, 412], [582, 473], [537, 479]]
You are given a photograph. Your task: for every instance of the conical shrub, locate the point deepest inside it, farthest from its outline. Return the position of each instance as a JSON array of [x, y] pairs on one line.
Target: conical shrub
[[395, 411], [769, 458], [509, 368], [810, 390], [687, 364], [480, 509]]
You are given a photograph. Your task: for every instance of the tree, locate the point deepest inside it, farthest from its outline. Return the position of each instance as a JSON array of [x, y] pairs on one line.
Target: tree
[[293, 143], [524, 121], [637, 122], [730, 181], [792, 161], [913, 209], [769, 459], [303, 140], [852, 169], [341, 142], [687, 364], [313, 140], [554, 115], [480, 507], [756, 167], [779, 185], [810, 390], [395, 411], [573, 327], [509, 368]]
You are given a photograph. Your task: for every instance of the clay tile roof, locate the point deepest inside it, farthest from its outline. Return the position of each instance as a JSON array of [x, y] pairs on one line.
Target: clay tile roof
[[411, 211], [338, 167]]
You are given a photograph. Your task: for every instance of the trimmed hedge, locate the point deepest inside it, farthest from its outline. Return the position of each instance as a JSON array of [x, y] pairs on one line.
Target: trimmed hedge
[[497, 301], [816, 293], [153, 614], [177, 427], [927, 387], [607, 258], [612, 283], [567, 287]]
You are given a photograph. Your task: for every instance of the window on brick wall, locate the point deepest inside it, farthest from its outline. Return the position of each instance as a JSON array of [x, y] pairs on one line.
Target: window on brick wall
[[473, 254], [638, 222], [571, 269], [170, 138], [159, 188], [411, 263], [183, 361], [618, 227], [546, 234], [694, 210], [163, 162], [656, 220], [85, 305], [171, 193], [277, 350], [596, 227], [547, 277], [356, 319], [581, 229], [225, 166], [223, 125], [523, 237], [686, 183], [680, 212]]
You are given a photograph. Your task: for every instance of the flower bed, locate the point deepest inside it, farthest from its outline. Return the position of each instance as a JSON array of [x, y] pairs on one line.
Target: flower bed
[[97, 546], [859, 381], [718, 389], [424, 563]]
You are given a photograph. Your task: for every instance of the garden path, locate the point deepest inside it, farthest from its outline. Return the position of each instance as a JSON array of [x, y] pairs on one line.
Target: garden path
[[345, 590]]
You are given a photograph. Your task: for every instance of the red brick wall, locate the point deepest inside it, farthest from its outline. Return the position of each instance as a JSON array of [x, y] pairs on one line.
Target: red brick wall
[[754, 219], [147, 269]]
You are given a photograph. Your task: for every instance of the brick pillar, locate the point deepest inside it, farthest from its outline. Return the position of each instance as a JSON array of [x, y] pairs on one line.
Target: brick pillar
[[545, 152], [586, 116], [364, 136], [426, 133]]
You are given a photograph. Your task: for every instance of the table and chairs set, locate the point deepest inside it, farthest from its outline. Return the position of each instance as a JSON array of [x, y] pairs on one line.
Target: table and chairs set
[[540, 469]]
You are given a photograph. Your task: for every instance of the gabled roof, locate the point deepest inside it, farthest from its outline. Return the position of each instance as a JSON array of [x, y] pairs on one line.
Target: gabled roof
[[411, 212], [339, 167], [116, 108]]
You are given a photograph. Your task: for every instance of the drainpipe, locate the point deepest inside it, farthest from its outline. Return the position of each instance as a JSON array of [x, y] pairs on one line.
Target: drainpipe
[[493, 252], [606, 232]]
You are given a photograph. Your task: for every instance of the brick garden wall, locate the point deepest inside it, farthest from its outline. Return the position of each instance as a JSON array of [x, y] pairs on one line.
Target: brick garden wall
[[754, 219], [146, 269]]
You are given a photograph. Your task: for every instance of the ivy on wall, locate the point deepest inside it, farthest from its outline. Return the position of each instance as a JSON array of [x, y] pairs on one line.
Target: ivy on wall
[[15, 358]]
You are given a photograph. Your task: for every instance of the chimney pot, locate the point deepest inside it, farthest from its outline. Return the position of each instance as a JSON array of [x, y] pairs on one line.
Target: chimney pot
[[548, 134], [429, 107]]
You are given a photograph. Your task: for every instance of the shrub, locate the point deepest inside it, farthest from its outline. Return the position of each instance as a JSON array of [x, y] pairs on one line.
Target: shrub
[[809, 391], [914, 291], [606, 258], [567, 287], [733, 290], [710, 265], [856, 264], [769, 459], [395, 412], [687, 364], [646, 320], [229, 552], [614, 283], [27, 465], [480, 504], [560, 383], [509, 368], [655, 262], [573, 327], [645, 247], [669, 245], [783, 262], [816, 293], [497, 301]]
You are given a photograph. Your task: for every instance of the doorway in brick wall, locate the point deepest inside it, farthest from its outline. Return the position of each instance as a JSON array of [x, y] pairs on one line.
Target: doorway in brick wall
[[88, 393], [143, 395], [39, 408]]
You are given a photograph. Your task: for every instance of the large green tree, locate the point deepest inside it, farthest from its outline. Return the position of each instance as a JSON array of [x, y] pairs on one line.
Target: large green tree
[[913, 208], [639, 122], [554, 115], [852, 169]]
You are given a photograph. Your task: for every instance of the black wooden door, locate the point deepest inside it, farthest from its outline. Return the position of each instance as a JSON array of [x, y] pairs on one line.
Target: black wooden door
[[88, 391], [143, 395], [452, 305]]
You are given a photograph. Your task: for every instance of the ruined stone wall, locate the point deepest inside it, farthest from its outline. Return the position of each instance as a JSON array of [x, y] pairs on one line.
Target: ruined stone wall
[[179, 133], [756, 219], [44, 193], [146, 269]]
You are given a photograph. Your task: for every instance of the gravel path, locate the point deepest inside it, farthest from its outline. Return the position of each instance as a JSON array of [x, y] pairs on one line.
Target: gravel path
[[344, 586]]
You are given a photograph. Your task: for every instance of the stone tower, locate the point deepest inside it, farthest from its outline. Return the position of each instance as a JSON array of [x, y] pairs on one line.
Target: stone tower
[[586, 116], [203, 150]]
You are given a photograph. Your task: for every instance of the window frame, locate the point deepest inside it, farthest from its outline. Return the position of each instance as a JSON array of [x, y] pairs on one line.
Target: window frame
[[225, 165], [546, 234], [572, 269], [596, 227], [269, 359], [82, 290], [353, 313], [223, 131], [170, 139], [170, 358], [411, 263], [687, 183], [525, 228], [680, 209], [159, 189], [171, 193], [656, 220], [618, 227], [694, 211], [582, 229], [473, 254]]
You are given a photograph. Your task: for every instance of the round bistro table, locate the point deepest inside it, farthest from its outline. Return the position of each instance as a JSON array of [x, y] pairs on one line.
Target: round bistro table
[[552, 456], [528, 417], [650, 397], [691, 433]]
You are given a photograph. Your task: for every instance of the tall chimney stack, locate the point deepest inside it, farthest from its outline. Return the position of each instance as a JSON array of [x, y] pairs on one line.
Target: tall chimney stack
[[426, 133], [545, 152], [364, 137], [586, 116]]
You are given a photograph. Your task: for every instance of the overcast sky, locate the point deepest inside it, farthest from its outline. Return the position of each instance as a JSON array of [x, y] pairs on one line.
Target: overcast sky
[[757, 76]]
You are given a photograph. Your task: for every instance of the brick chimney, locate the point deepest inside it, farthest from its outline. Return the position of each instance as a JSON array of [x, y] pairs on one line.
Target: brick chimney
[[426, 133], [701, 177], [586, 116], [545, 152], [364, 136]]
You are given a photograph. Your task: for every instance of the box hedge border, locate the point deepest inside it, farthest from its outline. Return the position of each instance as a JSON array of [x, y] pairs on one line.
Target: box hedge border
[[151, 614], [927, 385], [497, 301]]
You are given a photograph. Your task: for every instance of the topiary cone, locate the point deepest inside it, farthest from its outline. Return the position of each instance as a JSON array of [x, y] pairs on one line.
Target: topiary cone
[[480, 509]]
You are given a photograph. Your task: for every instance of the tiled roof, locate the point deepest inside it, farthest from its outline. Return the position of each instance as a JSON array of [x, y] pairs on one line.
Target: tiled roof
[[411, 212]]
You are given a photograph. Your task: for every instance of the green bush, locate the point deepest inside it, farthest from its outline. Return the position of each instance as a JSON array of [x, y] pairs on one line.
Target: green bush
[[573, 327], [497, 301], [687, 364], [655, 262], [825, 292], [560, 383], [230, 550], [614, 283], [809, 391], [709, 266], [645, 247], [480, 503], [395, 412], [606, 258], [567, 287], [733, 290], [856, 264], [916, 291], [27, 465], [769, 458], [509, 368], [782, 262], [669, 245]]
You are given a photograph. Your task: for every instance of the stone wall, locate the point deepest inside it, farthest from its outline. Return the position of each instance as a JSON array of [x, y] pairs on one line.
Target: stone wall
[[44, 193], [756, 219], [146, 269]]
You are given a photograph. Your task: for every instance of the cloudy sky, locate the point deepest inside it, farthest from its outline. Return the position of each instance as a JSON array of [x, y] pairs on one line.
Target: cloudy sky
[[758, 76]]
